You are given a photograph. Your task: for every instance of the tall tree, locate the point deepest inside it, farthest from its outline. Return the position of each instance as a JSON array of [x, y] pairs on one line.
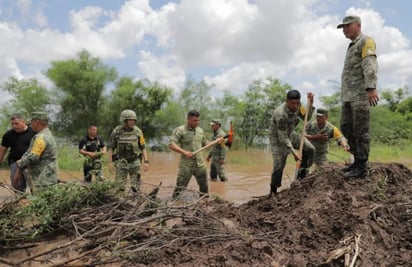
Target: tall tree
[[143, 97], [261, 98], [80, 84], [196, 96], [27, 95]]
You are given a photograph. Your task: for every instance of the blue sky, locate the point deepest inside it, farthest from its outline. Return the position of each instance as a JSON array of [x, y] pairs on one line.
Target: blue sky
[[228, 43]]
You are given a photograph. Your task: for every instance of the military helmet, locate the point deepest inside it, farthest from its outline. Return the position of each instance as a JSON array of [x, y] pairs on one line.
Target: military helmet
[[127, 114]]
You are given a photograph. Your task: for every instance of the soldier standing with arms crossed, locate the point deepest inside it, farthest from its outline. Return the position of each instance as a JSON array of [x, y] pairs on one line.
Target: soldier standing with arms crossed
[[358, 93]]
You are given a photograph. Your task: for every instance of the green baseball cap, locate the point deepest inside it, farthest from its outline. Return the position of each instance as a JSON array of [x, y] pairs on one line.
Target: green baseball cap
[[348, 20], [39, 115], [215, 121]]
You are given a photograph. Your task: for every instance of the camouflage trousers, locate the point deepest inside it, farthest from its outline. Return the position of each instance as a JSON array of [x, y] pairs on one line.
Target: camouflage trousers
[[131, 168], [355, 127], [320, 159], [187, 168], [217, 169], [92, 167], [280, 154], [43, 176]]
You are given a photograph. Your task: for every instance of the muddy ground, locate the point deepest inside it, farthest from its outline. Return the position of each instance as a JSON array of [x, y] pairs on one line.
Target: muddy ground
[[369, 219]]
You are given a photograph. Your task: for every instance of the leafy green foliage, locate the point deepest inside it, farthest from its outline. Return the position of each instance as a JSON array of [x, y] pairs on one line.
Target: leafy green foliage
[[389, 127], [405, 108], [80, 85], [261, 98], [46, 208], [27, 96], [142, 96]]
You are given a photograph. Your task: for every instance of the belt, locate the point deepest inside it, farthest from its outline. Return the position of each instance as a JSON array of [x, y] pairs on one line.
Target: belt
[[132, 159]]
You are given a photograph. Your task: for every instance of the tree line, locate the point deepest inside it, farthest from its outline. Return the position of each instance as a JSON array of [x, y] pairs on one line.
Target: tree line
[[85, 91]]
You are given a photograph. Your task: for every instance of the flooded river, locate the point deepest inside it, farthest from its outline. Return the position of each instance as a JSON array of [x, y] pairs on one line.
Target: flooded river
[[248, 173]]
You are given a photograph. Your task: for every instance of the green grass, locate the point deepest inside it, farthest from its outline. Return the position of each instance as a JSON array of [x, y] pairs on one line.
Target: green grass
[[378, 153], [69, 158]]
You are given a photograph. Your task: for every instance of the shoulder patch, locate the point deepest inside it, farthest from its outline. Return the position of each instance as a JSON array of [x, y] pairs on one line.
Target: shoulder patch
[[302, 110], [369, 48], [39, 146]]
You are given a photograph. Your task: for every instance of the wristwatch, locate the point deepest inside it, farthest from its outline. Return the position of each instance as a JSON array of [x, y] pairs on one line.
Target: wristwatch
[[146, 161]]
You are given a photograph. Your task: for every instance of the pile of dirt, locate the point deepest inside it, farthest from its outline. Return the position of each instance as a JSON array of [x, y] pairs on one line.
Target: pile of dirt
[[314, 223]]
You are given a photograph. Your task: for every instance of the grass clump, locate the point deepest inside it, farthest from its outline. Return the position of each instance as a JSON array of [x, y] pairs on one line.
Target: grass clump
[[42, 212]]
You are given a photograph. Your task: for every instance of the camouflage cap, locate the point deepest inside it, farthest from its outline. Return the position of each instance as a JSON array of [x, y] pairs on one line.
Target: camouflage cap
[[348, 20], [320, 112], [215, 121], [39, 115]]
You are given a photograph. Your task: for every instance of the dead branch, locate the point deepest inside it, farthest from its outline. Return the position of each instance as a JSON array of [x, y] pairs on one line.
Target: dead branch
[[357, 249]]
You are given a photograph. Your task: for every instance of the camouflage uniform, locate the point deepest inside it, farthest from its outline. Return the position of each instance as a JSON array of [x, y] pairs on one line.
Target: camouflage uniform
[[283, 139], [359, 74], [92, 166], [190, 139], [127, 146], [322, 146], [40, 158], [218, 153]]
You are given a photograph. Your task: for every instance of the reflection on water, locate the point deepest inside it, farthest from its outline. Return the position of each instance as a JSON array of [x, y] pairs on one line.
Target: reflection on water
[[248, 173]]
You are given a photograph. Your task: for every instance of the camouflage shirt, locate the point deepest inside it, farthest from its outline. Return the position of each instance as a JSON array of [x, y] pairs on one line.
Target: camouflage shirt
[[283, 123], [332, 131], [360, 69], [218, 151], [40, 157], [189, 139]]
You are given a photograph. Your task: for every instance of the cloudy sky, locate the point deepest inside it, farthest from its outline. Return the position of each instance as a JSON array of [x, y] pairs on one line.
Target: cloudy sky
[[228, 43]]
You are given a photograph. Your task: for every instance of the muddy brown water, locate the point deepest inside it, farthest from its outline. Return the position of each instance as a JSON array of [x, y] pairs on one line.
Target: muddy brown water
[[248, 173]]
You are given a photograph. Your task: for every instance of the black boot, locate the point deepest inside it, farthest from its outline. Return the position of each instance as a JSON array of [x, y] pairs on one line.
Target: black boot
[[302, 173], [358, 170], [350, 167]]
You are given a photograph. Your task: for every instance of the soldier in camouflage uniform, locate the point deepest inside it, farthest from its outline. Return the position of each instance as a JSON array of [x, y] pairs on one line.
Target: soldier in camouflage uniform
[[186, 139], [319, 131], [92, 148], [127, 147], [358, 93], [284, 140], [40, 157], [217, 153]]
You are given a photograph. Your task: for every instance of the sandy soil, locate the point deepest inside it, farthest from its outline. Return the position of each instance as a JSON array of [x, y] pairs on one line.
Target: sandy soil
[[300, 226]]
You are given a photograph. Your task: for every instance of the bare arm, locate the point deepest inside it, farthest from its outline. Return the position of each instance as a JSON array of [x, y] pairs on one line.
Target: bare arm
[[3, 151]]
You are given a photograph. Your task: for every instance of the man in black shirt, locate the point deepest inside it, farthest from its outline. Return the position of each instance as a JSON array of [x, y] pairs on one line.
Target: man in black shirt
[[92, 147], [18, 140]]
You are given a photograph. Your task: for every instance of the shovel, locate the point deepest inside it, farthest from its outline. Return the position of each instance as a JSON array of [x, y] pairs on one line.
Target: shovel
[[302, 139]]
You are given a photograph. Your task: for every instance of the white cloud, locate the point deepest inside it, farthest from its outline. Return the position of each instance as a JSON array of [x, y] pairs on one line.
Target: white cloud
[[238, 77], [244, 40], [163, 69]]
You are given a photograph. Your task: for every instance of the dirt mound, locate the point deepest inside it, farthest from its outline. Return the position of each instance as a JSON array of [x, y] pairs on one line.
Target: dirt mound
[[302, 226]]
